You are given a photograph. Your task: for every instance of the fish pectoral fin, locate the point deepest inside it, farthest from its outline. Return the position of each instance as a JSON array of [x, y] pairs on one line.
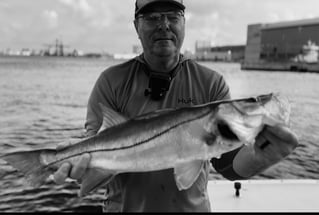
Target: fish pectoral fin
[[93, 179], [110, 117], [186, 174]]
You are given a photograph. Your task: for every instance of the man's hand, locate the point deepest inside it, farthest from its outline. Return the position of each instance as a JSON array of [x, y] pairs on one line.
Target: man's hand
[[66, 170], [272, 145]]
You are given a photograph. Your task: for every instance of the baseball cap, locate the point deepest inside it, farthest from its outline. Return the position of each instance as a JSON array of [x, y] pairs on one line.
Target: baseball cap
[[140, 4]]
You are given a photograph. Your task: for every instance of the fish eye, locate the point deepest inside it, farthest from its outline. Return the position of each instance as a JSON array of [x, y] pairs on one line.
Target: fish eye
[[225, 131]]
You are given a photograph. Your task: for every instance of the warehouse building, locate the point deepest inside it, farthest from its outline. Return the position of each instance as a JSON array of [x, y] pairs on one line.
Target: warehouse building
[[204, 51], [289, 45]]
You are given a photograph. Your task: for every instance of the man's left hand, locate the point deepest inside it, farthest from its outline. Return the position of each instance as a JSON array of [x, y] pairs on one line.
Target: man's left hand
[[273, 144]]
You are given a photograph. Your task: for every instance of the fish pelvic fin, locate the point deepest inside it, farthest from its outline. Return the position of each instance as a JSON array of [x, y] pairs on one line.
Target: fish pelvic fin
[[93, 179], [31, 165], [186, 174]]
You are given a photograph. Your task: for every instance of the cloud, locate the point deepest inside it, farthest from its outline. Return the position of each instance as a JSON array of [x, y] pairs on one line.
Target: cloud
[[211, 21], [90, 14], [51, 17], [278, 11], [225, 22], [81, 6], [4, 5], [107, 24]]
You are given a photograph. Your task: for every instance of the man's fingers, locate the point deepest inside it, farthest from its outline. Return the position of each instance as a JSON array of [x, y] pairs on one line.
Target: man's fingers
[[261, 141], [79, 169], [284, 134], [277, 134], [276, 143], [75, 172], [62, 173]]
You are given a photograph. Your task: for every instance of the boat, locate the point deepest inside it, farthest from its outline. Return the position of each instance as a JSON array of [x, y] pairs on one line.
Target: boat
[[273, 195]]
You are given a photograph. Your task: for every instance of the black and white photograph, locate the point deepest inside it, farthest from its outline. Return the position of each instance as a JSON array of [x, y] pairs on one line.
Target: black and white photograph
[[159, 106]]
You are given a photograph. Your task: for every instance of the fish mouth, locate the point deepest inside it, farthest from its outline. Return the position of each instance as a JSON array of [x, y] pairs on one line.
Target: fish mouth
[[225, 131]]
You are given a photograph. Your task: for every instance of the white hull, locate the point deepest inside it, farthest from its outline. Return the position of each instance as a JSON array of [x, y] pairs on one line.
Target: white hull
[[265, 196]]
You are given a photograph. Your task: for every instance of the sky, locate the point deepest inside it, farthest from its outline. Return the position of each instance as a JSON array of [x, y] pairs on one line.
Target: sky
[[107, 25]]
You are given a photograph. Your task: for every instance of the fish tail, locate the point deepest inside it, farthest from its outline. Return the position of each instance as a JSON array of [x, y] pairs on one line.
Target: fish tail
[[31, 164]]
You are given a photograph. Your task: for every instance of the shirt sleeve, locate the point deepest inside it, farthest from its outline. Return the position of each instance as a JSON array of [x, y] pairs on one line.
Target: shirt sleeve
[[103, 93], [224, 165], [220, 89]]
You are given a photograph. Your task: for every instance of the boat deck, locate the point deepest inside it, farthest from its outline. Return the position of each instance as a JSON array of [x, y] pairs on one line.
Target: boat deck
[[265, 196]]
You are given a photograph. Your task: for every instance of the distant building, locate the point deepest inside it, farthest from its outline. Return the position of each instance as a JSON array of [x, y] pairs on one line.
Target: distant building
[[283, 45], [231, 53], [25, 52], [10, 52]]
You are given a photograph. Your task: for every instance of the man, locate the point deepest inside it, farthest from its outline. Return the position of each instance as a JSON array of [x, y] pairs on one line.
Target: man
[[162, 78]]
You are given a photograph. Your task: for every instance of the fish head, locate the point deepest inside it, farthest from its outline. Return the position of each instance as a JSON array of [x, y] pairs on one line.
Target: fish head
[[239, 121]]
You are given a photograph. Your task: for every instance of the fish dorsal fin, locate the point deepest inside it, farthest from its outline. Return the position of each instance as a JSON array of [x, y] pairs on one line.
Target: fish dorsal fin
[[186, 174], [110, 117], [93, 179]]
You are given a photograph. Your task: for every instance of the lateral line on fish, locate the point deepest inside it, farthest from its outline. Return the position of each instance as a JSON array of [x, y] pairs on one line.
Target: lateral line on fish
[[135, 144]]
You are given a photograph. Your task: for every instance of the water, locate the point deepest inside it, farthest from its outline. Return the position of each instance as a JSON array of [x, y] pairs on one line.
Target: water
[[43, 102]]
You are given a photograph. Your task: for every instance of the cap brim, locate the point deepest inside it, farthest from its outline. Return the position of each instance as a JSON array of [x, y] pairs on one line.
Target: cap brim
[[181, 6]]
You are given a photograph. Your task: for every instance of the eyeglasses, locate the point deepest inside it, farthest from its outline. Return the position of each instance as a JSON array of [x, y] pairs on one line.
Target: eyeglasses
[[156, 17]]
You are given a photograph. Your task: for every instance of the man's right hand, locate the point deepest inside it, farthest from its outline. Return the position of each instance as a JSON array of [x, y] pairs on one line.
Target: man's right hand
[[67, 170]]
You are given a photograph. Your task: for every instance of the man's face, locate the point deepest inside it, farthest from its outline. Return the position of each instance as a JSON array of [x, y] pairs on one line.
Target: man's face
[[164, 37]]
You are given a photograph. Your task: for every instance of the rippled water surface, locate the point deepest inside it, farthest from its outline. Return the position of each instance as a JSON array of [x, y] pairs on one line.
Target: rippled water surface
[[43, 102]]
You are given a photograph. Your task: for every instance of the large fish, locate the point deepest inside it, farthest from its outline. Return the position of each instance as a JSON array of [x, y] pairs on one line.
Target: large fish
[[182, 139]]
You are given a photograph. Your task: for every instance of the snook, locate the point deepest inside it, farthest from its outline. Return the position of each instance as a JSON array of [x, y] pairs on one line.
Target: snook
[[173, 138]]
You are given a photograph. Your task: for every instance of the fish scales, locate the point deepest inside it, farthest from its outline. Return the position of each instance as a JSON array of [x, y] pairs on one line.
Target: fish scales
[[144, 141]]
